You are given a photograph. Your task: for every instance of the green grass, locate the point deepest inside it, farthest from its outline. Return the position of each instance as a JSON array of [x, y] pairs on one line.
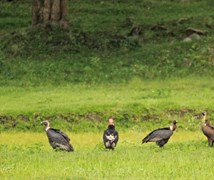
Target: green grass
[[86, 108], [79, 77], [28, 155], [137, 95]]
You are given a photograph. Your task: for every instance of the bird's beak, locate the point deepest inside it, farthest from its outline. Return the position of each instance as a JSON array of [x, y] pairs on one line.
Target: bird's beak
[[41, 123], [197, 116]]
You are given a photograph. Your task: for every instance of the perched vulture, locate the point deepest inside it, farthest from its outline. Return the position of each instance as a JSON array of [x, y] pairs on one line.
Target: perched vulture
[[110, 136], [57, 139], [207, 129], [161, 135]]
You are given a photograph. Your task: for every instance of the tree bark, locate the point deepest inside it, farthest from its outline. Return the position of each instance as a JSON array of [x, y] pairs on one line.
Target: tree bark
[[49, 13]]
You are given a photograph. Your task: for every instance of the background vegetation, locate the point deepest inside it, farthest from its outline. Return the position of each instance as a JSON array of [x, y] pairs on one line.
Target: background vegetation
[[100, 47], [103, 66], [137, 61]]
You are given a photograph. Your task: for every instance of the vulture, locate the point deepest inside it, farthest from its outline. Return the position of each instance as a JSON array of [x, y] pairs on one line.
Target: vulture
[[161, 135], [57, 139], [207, 129], [110, 136]]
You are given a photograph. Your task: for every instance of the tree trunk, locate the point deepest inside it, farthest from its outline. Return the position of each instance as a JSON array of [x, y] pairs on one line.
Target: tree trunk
[[49, 12]]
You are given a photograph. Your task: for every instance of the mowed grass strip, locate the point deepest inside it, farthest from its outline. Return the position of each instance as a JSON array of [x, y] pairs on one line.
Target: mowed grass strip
[[28, 155], [133, 96]]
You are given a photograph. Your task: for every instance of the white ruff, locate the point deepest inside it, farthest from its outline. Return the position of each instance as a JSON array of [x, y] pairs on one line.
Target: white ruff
[[171, 128], [110, 137], [46, 129]]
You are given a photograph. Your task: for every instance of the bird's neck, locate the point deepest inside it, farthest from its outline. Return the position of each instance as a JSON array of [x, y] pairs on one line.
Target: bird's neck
[[47, 127], [206, 123], [204, 118], [111, 126], [172, 127]]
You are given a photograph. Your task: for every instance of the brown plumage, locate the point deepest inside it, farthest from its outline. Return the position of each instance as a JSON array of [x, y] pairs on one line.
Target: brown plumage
[[207, 129]]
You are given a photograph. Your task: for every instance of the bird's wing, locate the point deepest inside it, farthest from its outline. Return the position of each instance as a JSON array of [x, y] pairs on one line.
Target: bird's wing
[[58, 139], [158, 134], [211, 126], [107, 136], [116, 137], [62, 134], [208, 131]]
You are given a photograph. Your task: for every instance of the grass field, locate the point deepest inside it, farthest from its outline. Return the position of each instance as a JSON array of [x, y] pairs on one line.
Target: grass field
[[86, 108], [136, 95], [186, 156], [79, 77], [29, 156]]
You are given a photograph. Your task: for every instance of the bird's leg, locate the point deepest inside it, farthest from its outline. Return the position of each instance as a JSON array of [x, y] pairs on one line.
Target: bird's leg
[[210, 142]]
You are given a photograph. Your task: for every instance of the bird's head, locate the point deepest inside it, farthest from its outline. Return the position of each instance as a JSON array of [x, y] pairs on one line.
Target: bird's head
[[46, 124], [111, 121], [204, 116], [204, 113], [174, 122], [173, 126], [200, 115]]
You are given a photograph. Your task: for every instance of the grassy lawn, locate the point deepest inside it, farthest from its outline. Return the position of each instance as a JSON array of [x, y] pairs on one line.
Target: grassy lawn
[[194, 93], [28, 155], [86, 108], [185, 156]]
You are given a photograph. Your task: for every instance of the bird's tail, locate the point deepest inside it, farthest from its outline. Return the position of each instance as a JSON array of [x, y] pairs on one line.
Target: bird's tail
[[70, 148], [145, 140]]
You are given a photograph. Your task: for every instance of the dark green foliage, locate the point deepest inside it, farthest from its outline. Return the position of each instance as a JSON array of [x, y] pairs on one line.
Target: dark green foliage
[[97, 122], [100, 47], [39, 43]]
